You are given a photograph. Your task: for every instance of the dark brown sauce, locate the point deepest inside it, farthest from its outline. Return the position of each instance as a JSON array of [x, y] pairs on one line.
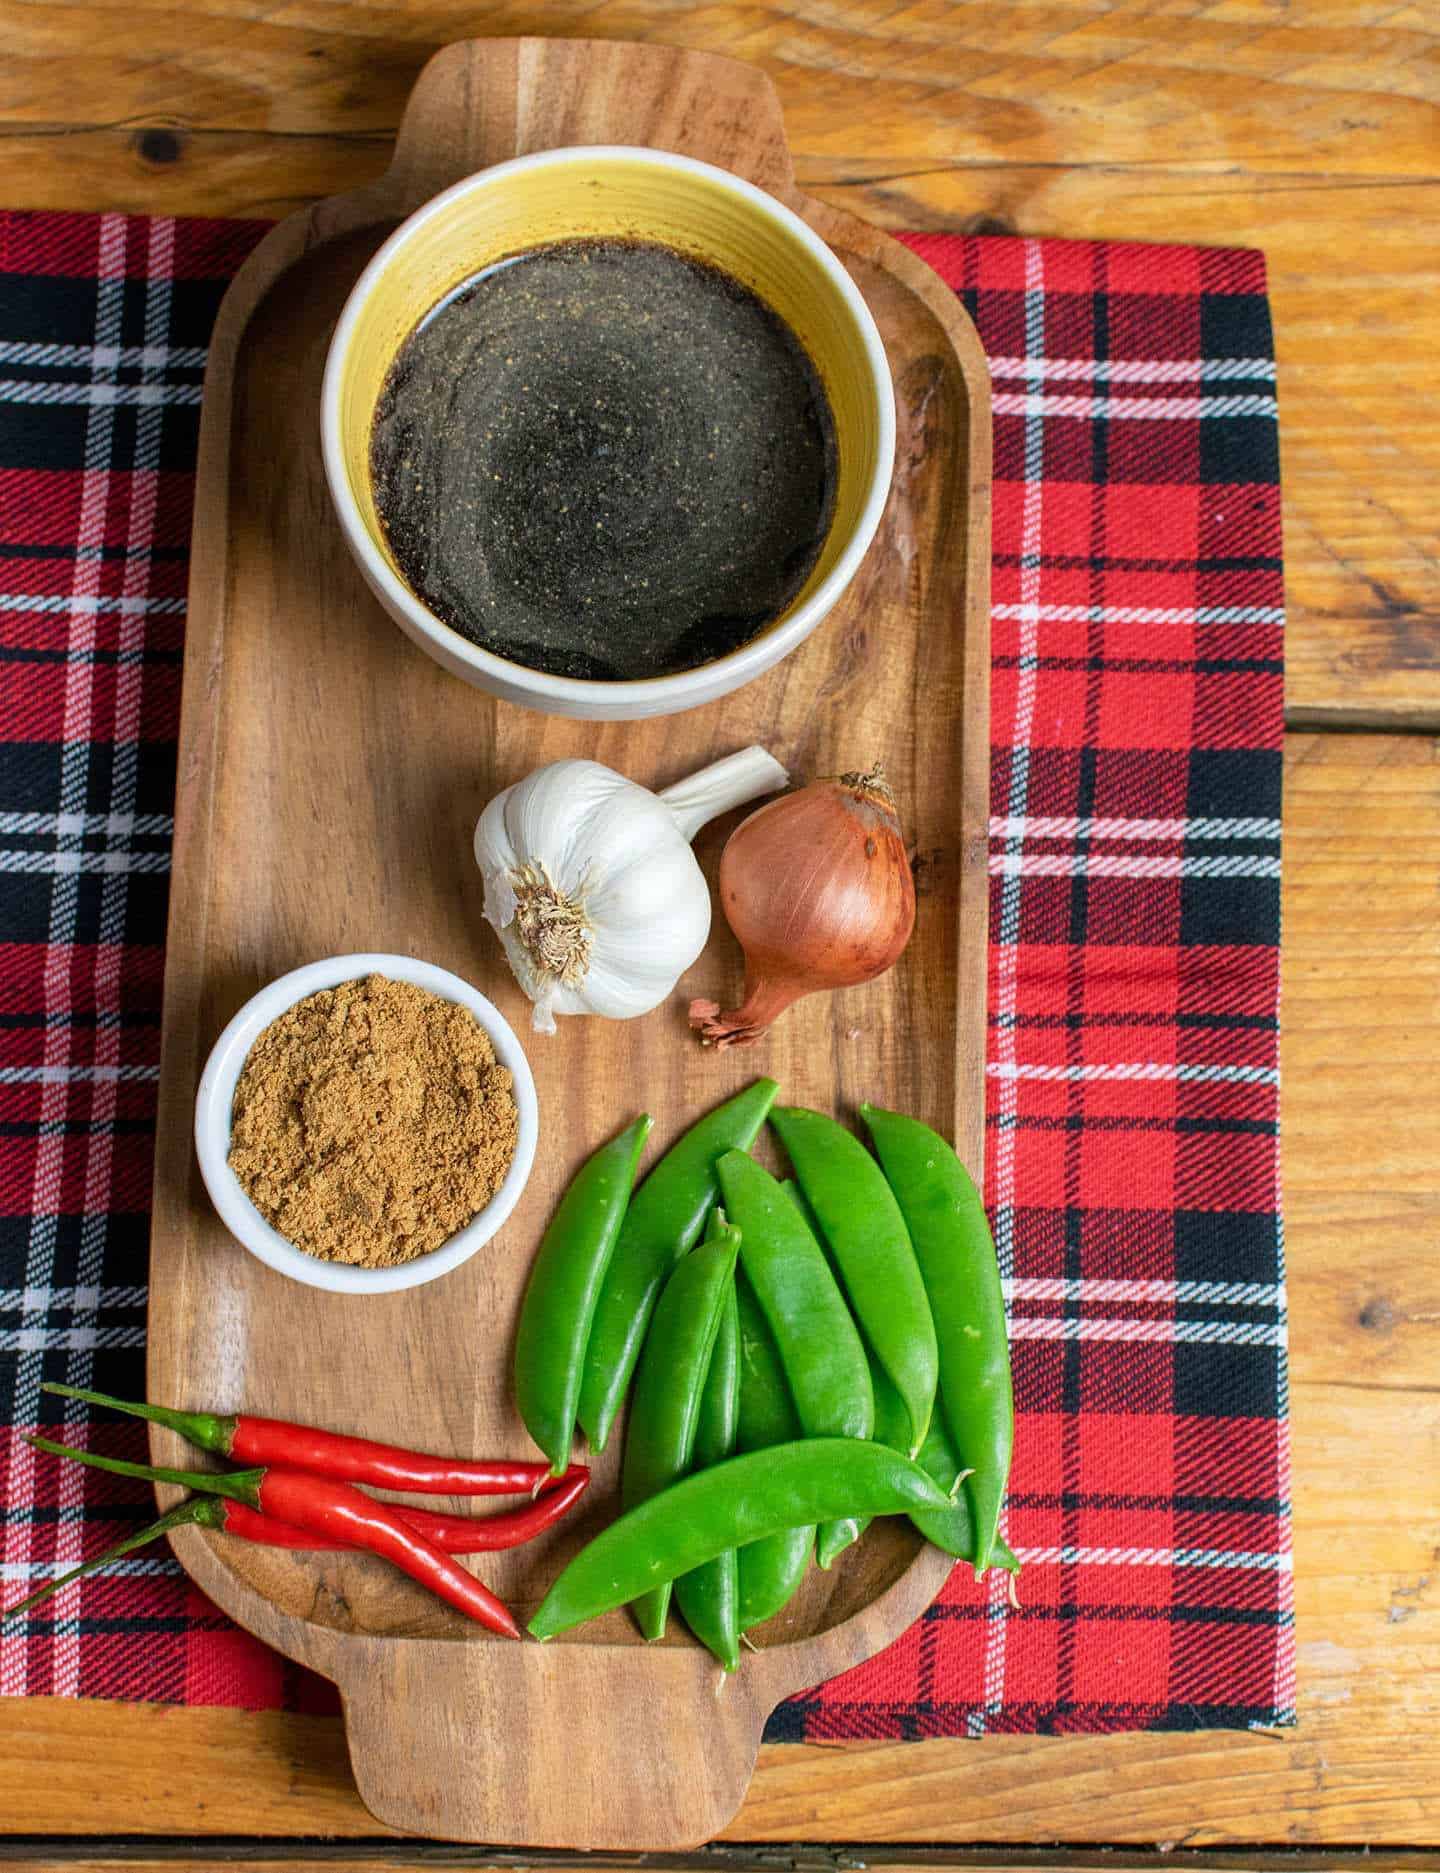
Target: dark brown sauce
[[604, 459]]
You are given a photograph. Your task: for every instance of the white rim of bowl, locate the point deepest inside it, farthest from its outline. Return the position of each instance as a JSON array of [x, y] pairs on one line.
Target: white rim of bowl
[[216, 1093], [762, 651]]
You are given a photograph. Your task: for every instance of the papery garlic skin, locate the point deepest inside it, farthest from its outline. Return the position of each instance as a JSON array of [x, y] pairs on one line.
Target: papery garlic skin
[[591, 885]]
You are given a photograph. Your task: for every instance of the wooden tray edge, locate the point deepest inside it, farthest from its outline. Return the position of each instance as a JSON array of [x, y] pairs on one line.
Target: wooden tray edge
[[779, 1671]]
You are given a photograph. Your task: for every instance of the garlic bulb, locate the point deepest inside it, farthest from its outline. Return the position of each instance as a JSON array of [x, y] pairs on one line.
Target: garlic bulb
[[591, 884]]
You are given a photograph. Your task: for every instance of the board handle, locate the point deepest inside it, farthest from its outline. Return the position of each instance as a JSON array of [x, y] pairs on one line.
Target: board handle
[[565, 1745], [482, 101]]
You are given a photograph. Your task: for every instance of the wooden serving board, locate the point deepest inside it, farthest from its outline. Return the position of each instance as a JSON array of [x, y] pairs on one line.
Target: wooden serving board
[[330, 776]]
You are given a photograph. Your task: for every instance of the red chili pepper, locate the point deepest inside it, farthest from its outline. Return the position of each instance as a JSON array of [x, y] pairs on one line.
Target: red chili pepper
[[330, 1453], [456, 1534], [320, 1505]]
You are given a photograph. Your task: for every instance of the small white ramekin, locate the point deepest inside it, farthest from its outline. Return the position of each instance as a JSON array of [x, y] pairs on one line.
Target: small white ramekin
[[656, 195], [216, 1097]]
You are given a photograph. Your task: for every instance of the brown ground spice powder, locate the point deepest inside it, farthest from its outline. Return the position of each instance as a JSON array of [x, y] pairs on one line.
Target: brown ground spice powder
[[372, 1121]]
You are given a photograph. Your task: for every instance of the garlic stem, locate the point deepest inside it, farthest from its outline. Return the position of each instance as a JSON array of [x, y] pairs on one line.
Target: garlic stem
[[724, 784]]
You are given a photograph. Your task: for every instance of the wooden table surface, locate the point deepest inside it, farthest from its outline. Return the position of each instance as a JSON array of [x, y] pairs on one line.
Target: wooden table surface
[[1308, 128]]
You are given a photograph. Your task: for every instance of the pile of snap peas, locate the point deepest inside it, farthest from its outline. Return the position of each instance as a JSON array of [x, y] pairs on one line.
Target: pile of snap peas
[[805, 1355]]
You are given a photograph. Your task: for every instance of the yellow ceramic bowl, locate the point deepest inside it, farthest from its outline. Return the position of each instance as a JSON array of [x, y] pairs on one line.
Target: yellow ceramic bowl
[[647, 195]]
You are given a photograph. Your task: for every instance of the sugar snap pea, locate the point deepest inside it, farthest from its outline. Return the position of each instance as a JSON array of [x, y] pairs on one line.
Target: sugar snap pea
[[892, 1421], [664, 1221], [769, 1570], [560, 1297], [892, 1427], [798, 1198], [709, 1598], [953, 1529], [956, 1255], [660, 1439], [866, 1233], [820, 1347], [742, 1500]]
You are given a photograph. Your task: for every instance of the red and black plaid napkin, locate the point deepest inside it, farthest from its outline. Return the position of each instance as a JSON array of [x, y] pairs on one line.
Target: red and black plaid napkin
[[1135, 890]]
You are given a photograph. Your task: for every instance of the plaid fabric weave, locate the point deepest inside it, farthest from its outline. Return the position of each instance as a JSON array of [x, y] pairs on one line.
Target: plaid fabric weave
[[1131, 1164]]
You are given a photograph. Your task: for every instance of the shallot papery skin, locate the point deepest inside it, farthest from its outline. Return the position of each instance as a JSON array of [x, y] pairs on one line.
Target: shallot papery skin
[[818, 890]]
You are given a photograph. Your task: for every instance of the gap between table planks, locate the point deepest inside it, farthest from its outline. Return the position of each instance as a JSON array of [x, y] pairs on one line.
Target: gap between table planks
[[198, 1856], [1362, 1012], [1309, 132]]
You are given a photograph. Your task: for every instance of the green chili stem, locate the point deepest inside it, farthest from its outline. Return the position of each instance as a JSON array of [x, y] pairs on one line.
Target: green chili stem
[[205, 1429], [202, 1509], [242, 1485]]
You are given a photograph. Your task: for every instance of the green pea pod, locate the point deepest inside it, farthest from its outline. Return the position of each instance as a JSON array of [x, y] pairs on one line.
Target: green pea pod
[[565, 1281], [709, 1598], [953, 1529], [836, 1537], [866, 1233], [812, 1221], [742, 1500], [956, 1255], [892, 1420], [819, 1345], [770, 1570], [660, 1441], [892, 1427], [664, 1221], [767, 1409]]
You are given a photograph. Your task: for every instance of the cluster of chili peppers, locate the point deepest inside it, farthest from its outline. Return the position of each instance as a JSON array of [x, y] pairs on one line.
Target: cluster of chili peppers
[[301, 1491]]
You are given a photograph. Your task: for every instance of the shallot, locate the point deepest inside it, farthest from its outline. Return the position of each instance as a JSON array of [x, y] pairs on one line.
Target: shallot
[[818, 890]]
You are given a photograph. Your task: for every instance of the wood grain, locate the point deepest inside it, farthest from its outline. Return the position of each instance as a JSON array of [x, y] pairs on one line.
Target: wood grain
[[1308, 131], [1362, 1146], [1346, 84], [376, 1856], [288, 846]]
